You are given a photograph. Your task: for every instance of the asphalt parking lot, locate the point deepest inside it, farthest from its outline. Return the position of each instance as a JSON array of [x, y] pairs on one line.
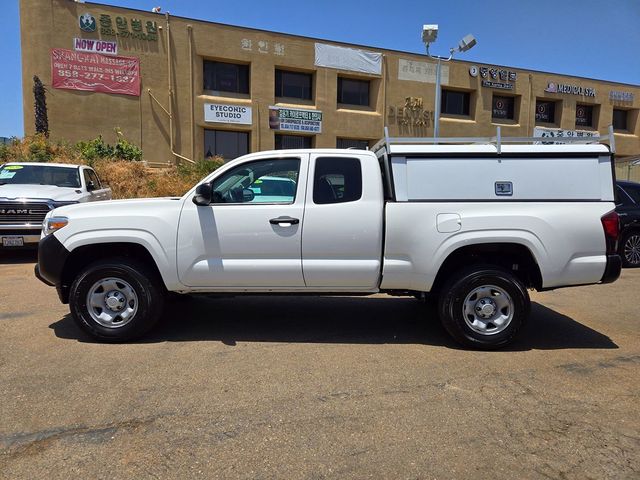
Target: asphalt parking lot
[[319, 388]]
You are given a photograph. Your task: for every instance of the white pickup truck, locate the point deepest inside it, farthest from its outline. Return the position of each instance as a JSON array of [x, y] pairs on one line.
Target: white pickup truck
[[475, 226], [28, 191]]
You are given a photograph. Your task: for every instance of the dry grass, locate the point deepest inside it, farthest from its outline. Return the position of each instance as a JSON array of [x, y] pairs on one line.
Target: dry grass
[[127, 179]]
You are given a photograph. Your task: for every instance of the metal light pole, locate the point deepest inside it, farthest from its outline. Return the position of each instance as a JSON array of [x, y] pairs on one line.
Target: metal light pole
[[429, 35]]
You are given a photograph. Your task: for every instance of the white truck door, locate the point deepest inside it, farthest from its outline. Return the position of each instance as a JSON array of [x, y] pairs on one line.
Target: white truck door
[[342, 235], [250, 235]]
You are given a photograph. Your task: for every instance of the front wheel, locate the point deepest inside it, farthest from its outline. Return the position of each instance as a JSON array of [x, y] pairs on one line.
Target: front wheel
[[484, 307], [116, 299], [630, 250]]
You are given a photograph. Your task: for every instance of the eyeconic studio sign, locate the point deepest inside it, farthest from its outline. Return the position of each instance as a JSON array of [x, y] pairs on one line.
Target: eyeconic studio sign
[[220, 113]]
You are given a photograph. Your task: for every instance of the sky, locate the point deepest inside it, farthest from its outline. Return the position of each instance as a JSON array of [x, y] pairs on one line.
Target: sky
[[588, 38]]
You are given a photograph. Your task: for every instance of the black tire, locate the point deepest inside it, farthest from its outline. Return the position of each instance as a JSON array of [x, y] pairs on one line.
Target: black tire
[[629, 245], [462, 284], [141, 279]]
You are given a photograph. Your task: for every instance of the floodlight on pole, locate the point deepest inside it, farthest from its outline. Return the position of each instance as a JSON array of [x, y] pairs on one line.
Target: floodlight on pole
[[467, 43], [429, 35]]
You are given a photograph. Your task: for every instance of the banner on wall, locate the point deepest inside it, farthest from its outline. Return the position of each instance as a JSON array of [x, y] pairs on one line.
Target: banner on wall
[[295, 120], [94, 72], [344, 58], [552, 133], [421, 71]]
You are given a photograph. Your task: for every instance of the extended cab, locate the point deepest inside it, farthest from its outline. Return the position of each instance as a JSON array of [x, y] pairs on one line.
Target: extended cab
[[475, 226], [28, 191]]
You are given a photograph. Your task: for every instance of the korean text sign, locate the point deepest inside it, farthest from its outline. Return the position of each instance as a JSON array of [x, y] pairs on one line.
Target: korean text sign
[[95, 72]]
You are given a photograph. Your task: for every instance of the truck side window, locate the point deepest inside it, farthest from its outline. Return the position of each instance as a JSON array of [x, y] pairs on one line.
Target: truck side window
[[262, 181], [87, 177], [94, 178], [337, 180]]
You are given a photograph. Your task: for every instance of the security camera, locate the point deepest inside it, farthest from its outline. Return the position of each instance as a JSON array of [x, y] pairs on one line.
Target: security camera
[[429, 33], [467, 43]]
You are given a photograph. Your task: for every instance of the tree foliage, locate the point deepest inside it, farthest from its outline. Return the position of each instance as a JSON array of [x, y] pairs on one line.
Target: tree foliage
[[42, 119]]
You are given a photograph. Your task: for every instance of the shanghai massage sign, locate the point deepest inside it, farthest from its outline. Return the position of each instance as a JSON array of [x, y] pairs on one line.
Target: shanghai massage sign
[[94, 72]]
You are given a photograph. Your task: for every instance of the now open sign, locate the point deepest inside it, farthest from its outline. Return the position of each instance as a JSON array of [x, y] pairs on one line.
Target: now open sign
[[95, 46]]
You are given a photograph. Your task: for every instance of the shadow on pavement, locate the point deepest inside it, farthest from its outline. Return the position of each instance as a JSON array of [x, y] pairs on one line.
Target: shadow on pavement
[[356, 320], [18, 255]]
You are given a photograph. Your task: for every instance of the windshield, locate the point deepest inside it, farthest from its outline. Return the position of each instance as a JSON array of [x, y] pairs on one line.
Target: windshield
[[39, 175]]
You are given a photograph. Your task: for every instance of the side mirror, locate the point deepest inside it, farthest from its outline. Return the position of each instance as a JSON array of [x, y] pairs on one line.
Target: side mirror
[[203, 195], [91, 186], [248, 195]]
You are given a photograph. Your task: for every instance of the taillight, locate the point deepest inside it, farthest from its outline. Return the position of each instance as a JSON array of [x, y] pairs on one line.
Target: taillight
[[611, 226]]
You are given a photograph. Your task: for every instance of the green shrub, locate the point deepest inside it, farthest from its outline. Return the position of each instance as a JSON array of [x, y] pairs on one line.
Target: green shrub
[[40, 149], [95, 149], [5, 153], [196, 171]]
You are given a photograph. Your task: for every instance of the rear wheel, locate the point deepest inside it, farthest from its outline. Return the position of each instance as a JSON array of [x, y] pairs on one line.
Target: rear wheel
[[630, 249], [483, 307], [116, 299]]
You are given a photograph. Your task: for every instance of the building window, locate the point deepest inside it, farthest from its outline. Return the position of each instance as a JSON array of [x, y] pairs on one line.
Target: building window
[[502, 108], [294, 85], [353, 92], [337, 180], [285, 142], [455, 102], [620, 119], [545, 112], [584, 116], [352, 143], [226, 77], [225, 143]]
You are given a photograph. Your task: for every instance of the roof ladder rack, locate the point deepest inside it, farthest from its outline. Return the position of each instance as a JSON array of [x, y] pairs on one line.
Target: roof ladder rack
[[498, 140]]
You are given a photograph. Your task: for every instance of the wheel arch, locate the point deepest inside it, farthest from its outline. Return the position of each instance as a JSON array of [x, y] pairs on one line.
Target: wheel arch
[[84, 255], [511, 256]]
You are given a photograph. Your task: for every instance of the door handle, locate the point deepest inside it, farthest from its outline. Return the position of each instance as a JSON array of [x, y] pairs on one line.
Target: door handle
[[284, 220]]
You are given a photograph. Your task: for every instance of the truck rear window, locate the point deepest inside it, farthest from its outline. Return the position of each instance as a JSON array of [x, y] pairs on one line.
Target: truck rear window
[[337, 180]]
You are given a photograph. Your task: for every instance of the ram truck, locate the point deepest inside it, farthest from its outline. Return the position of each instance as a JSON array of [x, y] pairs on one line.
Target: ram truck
[[472, 226], [28, 191]]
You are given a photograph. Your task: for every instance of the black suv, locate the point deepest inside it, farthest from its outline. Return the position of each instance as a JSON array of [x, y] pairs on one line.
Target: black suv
[[628, 208]]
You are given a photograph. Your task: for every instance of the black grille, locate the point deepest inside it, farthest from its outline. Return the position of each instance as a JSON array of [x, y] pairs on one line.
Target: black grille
[[23, 212]]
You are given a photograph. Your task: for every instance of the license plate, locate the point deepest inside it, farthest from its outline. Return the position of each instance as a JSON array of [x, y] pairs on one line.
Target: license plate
[[12, 242]]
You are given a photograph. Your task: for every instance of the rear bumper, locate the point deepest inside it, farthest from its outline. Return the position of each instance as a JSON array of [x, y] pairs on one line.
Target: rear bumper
[[612, 269]]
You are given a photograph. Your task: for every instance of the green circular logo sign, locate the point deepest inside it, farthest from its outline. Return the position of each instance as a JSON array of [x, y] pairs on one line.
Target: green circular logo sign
[[87, 22]]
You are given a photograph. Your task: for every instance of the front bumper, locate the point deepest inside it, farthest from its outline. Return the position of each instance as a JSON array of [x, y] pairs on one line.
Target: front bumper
[[612, 269], [30, 234], [52, 257]]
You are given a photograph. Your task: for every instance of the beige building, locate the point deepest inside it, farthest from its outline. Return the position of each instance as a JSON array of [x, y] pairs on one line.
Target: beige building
[[185, 88]]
